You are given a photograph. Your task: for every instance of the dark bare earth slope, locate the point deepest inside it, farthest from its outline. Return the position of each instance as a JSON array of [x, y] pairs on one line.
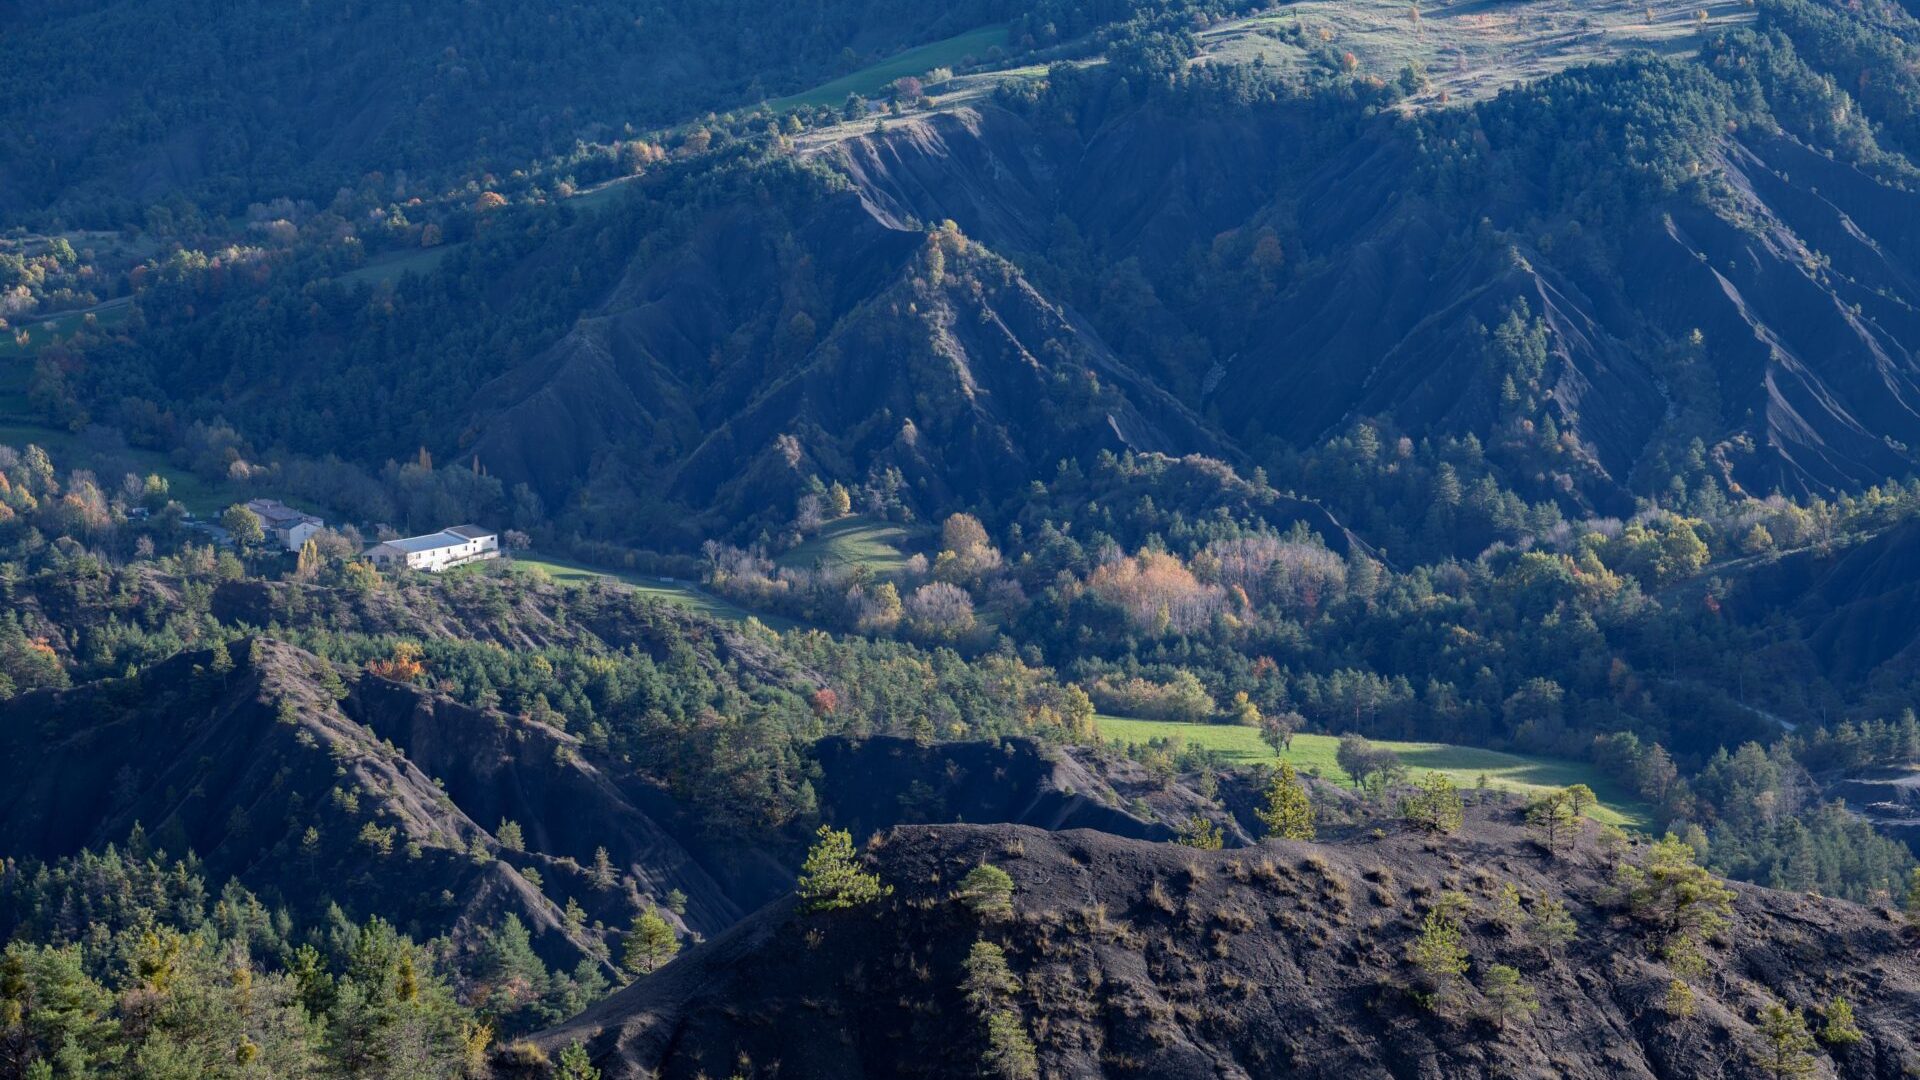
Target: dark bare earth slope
[[1143, 959]]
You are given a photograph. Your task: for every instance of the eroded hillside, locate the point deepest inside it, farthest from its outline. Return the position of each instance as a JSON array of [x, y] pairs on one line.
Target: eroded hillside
[[1137, 959]]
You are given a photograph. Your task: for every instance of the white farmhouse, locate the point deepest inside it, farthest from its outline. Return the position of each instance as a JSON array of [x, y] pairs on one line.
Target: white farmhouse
[[439, 551], [282, 522]]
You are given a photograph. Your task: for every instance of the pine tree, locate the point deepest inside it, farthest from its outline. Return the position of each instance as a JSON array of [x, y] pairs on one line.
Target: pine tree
[[576, 1064], [1684, 903], [1680, 1002], [510, 836], [650, 943], [1439, 954], [601, 875], [1198, 832], [1787, 1049], [222, 662], [1010, 1054], [1551, 928], [1840, 1030], [831, 879], [1582, 798], [1508, 995], [987, 891], [1436, 805], [1289, 811], [1507, 910], [1551, 820], [989, 980]]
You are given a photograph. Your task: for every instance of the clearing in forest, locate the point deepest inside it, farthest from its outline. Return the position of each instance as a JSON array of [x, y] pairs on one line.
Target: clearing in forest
[[1464, 764]]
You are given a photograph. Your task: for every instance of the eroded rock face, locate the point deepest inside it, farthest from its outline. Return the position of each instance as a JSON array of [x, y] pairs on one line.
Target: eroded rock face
[[805, 334], [1148, 959], [1385, 319]]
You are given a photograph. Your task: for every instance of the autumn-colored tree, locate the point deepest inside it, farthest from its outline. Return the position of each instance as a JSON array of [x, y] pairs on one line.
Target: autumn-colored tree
[[307, 563], [1159, 593], [403, 664]]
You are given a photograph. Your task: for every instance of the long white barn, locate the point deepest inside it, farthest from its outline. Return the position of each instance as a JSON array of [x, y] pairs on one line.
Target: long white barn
[[439, 551]]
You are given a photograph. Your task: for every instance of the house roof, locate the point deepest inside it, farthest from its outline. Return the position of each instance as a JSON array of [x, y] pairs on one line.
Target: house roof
[[278, 515], [459, 534]]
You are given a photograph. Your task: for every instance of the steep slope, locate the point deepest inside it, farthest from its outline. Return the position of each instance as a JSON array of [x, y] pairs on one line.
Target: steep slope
[[1853, 609], [315, 785], [776, 344], [1140, 959], [1802, 276], [373, 799]]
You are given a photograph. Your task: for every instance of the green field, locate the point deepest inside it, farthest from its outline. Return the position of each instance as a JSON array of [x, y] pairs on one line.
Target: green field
[[70, 451], [673, 591], [40, 332], [395, 265], [867, 82], [603, 195], [1465, 764], [855, 540]]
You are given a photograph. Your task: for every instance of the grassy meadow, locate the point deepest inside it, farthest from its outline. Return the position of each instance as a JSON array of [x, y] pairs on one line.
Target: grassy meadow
[[672, 590], [1464, 764], [869, 81], [854, 540]]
